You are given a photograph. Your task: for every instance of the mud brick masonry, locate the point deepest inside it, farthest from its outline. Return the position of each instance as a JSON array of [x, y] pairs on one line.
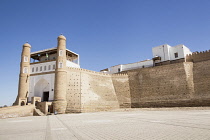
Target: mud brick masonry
[[55, 83]]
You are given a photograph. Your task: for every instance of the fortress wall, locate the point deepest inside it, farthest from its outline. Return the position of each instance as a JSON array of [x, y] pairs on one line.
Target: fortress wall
[[16, 111], [201, 76], [73, 93], [122, 90], [89, 91], [134, 85], [174, 85], [159, 86], [198, 56]]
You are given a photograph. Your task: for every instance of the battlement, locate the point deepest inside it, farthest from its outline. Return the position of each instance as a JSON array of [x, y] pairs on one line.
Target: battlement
[[90, 71], [99, 73], [120, 74], [198, 56]]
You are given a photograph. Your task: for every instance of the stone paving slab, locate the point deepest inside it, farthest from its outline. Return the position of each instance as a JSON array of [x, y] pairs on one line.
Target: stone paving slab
[[130, 125]]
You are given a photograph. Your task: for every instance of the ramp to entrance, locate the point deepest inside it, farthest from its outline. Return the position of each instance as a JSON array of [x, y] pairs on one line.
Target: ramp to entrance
[[16, 111]]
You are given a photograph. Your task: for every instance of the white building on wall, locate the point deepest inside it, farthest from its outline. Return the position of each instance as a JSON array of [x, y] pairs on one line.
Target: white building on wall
[[130, 66], [42, 72], [161, 53], [166, 52]]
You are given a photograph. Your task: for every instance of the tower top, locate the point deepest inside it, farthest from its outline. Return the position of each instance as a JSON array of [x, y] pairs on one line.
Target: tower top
[[27, 45], [60, 37]]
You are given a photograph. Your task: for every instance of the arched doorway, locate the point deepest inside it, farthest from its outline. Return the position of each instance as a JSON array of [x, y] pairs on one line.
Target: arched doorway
[[22, 103], [41, 89]]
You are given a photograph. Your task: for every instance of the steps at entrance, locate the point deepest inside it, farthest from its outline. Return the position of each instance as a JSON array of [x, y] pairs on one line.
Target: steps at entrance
[[37, 112]]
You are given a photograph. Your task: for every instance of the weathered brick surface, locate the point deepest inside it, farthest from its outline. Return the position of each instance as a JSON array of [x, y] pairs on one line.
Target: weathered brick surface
[[89, 91], [182, 84], [73, 95], [201, 78], [122, 90]]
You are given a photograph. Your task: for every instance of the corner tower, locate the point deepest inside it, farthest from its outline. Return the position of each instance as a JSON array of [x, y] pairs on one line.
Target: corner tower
[[23, 87], [59, 104]]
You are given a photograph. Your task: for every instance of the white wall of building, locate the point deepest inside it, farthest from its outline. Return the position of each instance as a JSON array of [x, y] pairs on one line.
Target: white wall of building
[[141, 64], [177, 49], [49, 66], [40, 84], [115, 69], [40, 67], [72, 64], [167, 52], [163, 51], [45, 82], [186, 50], [125, 67]]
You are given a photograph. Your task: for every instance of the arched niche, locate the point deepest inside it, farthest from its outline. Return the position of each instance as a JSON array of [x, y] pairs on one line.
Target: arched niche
[[42, 89]]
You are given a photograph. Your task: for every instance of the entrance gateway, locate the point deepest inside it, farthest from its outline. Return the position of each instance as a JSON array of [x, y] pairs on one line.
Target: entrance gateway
[[46, 96]]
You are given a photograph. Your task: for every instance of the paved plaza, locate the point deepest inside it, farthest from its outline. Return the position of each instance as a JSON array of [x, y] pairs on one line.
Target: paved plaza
[[141, 124]]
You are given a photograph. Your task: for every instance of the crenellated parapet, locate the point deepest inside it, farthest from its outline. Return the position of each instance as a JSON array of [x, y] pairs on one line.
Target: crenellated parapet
[[97, 73], [198, 56], [118, 75]]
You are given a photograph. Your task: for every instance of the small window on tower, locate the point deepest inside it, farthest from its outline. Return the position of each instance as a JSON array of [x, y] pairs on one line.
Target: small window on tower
[[60, 52], [45, 67], [25, 70], [53, 66], [36, 69], [60, 65], [32, 69], [176, 54], [25, 58], [118, 69], [49, 67], [41, 68]]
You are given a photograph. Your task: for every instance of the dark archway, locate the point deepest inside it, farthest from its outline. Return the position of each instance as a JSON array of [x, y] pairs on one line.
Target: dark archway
[[36, 103], [22, 103], [41, 88]]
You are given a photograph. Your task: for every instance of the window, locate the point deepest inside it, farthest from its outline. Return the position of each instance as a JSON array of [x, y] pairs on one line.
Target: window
[[118, 69], [53, 66], [36, 69], [45, 67], [60, 65], [32, 69], [49, 67], [176, 54], [25, 59], [60, 52], [25, 70], [53, 58], [41, 68]]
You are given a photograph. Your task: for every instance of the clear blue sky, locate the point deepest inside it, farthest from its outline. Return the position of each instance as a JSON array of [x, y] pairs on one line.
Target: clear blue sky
[[103, 32]]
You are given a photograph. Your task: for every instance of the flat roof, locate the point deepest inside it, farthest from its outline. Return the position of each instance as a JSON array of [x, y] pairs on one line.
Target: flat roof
[[37, 54], [51, 49]]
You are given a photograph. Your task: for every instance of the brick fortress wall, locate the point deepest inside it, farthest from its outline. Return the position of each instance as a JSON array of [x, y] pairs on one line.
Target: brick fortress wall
[[172, 85], [89, 91]]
